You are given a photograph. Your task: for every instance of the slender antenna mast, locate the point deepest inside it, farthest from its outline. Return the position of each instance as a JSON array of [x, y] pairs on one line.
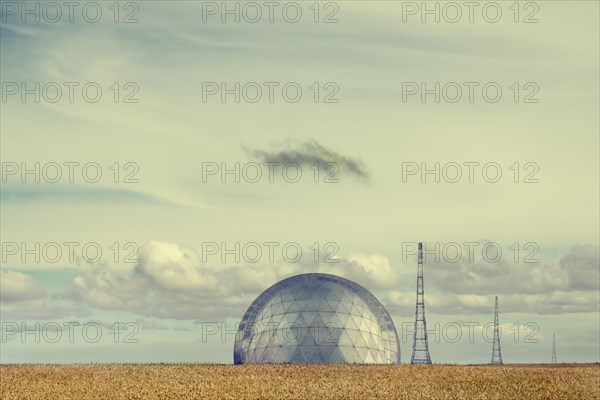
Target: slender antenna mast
[[496, 354], [420, 353], [554, 348]]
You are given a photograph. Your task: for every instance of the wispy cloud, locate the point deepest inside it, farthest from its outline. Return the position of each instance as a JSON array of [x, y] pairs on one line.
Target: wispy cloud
[[80, 194]]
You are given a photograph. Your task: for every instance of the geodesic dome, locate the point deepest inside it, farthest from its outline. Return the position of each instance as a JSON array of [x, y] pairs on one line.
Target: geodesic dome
[[316, 318]]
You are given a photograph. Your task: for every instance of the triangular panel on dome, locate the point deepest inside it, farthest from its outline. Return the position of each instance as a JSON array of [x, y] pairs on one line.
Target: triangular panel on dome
[[333, 303], [364, 326], [297, 357], [376, 355], [307, 339], [317, 357], [360, 341], [351, 323], [327, 351], [362, 352], [344, 339], [287, 296], [332, 333], [322, 291], [337, 357], [300, 322], [318, 324], [372, 343], [325, 306], [366, 336], [344, 307], [277, 308], [326, 316], [307, 352], [291, 335], [356, 311], [369, 359], [287, 352], [267, 355], [263, 340], [350, 354], [352, 334], [357, 321], [335, 293], [277, 356], [290, 306], [309, 316], [342, 317], [331, 318], [304, 294], [288, 318]]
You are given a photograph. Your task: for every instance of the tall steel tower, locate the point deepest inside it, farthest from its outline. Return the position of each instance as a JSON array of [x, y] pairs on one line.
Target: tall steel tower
[[420, 353], [496, 354], [553, 348]]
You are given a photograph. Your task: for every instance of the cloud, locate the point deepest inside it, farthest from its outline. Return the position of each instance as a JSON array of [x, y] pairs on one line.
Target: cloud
[[582, 267], [577, 270], [171, 282], [373, 271], [16, 286], [42, 309], [104, 289], [174, 268], [182, 329], [148, 324], [21, 297], [560, 302], [310, 152], [569, 286]]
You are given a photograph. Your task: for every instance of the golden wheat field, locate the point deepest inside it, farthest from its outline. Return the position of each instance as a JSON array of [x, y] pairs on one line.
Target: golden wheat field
[[141, 381]]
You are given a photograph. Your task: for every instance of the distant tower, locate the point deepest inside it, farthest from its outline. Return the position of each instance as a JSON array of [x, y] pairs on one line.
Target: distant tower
[[553, 348], [420, 353], [496, 354]]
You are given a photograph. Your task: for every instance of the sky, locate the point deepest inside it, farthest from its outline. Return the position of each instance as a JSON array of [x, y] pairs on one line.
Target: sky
[[161, 171]]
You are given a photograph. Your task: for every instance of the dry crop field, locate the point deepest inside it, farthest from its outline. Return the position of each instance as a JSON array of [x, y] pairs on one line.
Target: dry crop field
[[151, 381]]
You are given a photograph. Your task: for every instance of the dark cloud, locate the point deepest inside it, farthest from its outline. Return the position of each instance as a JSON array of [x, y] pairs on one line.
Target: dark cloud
[[310, 152]]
